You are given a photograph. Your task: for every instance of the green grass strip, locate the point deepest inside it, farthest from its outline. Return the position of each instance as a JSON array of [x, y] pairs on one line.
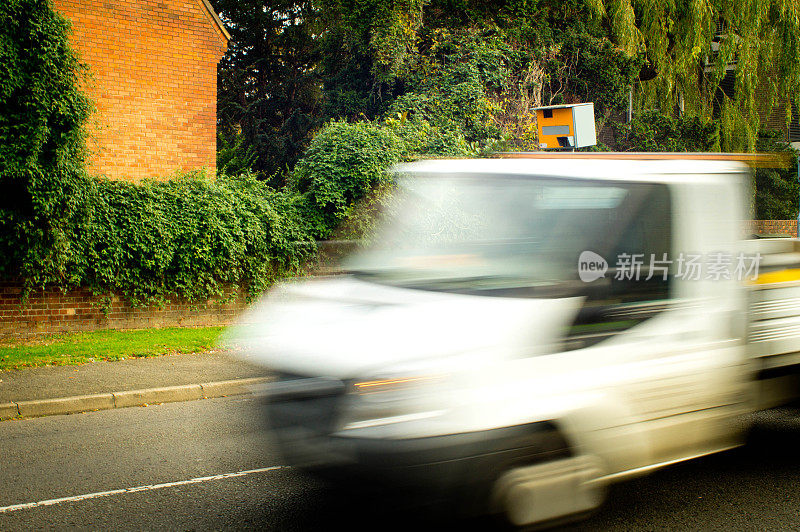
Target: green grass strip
[[80, 348]]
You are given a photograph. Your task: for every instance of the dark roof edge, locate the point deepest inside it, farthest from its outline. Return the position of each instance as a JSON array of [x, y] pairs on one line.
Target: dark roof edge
[[216, 19]]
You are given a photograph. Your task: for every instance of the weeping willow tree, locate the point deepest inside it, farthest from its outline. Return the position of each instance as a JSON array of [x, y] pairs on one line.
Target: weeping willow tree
[[690, 46]]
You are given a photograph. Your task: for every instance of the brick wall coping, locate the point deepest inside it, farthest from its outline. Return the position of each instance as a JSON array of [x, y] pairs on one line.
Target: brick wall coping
[[215, 18]]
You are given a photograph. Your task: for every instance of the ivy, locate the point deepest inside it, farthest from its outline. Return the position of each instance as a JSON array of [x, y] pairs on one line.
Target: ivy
[[189, 236], [43, 118]]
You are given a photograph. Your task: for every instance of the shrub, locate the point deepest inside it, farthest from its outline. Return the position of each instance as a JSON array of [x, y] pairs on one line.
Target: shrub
[[346, 162], [421, 138], [652, 131], [776, 189], [343, 163], [190, 236]]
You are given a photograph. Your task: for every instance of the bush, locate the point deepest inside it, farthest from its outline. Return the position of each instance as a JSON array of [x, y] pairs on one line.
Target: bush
[[652, 131], [776, 189], [343, 163], [189, 236], [421, 138], [347, 162]]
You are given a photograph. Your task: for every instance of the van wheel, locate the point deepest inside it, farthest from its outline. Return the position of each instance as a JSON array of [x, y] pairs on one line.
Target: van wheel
[[542, 495]]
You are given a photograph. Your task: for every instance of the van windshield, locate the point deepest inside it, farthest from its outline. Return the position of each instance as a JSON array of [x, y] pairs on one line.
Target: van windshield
[[509, 234]]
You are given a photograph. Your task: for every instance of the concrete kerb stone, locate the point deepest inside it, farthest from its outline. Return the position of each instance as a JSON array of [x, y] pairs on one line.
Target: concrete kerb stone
[[232, 387], [65, 405], [8, 411], [168, 394], [123, 399]]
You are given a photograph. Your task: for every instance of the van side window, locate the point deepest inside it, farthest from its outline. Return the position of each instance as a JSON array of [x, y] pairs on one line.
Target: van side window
[[643, 249], [637, 284]]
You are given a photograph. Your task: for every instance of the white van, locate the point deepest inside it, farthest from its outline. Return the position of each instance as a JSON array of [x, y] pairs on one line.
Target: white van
[[524, 331]]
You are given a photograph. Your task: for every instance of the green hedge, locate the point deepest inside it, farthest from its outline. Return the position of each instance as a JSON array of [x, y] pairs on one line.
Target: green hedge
[[43, 115], [189, 236]]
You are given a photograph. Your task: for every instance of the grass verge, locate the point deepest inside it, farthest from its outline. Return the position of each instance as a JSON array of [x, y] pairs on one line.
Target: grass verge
[[79, 348]]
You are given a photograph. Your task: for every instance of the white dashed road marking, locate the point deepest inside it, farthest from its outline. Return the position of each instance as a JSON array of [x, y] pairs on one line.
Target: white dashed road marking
[[76, 498]]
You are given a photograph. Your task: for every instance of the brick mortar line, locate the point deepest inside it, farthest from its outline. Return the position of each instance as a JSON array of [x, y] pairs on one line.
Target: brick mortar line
[[142, 397]]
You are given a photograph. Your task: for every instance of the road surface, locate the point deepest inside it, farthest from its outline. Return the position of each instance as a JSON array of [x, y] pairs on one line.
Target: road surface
[[207, 465]]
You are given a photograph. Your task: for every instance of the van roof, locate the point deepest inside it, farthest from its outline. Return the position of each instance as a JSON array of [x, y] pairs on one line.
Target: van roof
[[583, 167], [568, 163], [768, 160]]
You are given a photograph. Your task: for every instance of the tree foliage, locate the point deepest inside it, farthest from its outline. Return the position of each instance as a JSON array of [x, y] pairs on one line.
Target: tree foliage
[[269, 89], [43, 115], [474, 68], [689, 46]]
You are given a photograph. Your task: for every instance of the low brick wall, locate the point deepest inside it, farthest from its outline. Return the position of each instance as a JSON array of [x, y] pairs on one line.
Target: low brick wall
[[773, 227], [53, 311]]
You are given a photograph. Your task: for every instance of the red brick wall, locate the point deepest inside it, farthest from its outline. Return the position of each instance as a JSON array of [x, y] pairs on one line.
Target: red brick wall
[[773, 227], [53, 311], [153, 79]]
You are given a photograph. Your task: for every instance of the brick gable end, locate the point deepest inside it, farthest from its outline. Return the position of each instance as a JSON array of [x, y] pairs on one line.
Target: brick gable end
[[153, 79]]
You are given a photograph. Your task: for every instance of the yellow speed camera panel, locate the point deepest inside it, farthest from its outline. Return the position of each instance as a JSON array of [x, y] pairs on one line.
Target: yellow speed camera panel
[[566, 126]]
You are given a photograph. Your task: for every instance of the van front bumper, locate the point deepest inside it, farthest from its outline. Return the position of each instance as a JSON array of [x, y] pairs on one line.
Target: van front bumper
[[461, 466]]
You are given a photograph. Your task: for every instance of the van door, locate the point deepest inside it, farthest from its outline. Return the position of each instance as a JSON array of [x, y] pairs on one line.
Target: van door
[[670, 361]]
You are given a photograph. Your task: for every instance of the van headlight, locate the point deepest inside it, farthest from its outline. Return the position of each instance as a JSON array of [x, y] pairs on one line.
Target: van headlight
[[371, 388], [391, 400]]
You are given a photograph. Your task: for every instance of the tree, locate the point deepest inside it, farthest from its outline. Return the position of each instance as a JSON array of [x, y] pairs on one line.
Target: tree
[[472, 70], [480, 64], [269, 89], [689, 45]]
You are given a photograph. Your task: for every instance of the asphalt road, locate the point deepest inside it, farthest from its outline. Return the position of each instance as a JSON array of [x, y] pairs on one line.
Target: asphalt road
[[177, 455]]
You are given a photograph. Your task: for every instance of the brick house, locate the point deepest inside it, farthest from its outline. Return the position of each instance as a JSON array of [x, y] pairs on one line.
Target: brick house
[[153, 80]]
